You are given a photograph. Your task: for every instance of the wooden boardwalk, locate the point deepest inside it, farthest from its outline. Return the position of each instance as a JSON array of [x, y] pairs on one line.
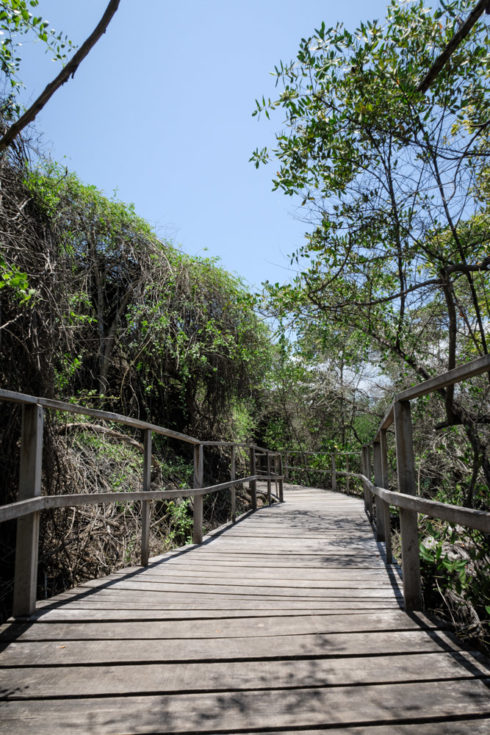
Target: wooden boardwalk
[[286, 622]]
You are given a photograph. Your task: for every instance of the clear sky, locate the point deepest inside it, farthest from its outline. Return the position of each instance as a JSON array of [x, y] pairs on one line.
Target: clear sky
[[160, 113]]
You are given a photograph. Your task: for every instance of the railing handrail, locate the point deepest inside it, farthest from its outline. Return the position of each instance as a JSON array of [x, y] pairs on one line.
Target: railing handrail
[[458, 514], [23, 398], [21, 508], [438, 382], [57, 405]]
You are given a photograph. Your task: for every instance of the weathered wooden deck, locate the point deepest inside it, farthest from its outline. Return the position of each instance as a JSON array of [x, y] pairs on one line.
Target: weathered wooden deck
[[286, 622]]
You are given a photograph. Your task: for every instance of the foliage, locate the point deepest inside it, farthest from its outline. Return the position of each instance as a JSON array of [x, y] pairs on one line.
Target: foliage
[[132, 322], [180, 531], [15, 279], [455, 576], [396, 183], [391, 175], [16, 22]]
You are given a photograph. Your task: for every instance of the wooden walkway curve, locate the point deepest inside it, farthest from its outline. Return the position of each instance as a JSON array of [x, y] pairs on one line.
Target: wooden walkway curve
[[285, 622]]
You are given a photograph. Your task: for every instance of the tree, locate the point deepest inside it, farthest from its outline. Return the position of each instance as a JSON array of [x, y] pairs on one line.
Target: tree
[[396, 182]]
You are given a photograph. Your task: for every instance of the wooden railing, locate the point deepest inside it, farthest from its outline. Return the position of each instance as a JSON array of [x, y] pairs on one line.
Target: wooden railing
[[30, 502], [374, 477], [332, 470], [410, 506], [264, 465]]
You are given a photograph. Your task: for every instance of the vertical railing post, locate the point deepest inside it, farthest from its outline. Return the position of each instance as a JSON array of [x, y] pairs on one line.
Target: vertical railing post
[[269, 483], [27, 542], [253, 483], [281, 481], [347, 478], [233, 487], [384, 483], [369, 475], [198, 482], [408, 518], [145, 505], [380, 504], [334, 472], [275, 473], [366, 471], [363, 472]]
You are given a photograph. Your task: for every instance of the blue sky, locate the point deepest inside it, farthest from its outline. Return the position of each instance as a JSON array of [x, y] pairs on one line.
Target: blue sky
[[160, 113]]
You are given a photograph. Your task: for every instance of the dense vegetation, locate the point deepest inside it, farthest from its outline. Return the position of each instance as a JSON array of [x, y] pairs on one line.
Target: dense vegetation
[[392, 288], [96, 310]]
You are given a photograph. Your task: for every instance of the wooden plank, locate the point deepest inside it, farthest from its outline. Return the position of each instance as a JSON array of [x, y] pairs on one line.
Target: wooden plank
[[84, 681], [249, 590], [221, 571], [258, 710], [439, 382], [49, 629], [459, 726], [271, 586], [244, 648], [103, 612], [207, 604]]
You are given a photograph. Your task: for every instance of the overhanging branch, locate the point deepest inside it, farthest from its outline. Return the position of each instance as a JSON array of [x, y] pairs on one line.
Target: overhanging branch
[[63, 76], [483, 5]]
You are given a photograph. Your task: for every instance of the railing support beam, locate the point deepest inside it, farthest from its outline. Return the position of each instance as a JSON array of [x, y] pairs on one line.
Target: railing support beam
[[366, 471], [253, 483], [269, 483], [198, 482], [27, 542], [281, 480], [383, 445], [380, 504], [233, 488], [145, 505], [408, 518]]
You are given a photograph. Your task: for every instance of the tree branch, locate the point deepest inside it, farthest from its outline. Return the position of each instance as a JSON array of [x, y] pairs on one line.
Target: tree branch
[[373, 302], [63, 76], [453, 44], [468, 267]]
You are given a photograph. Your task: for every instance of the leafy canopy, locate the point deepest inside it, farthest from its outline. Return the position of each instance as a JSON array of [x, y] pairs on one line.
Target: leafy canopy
[[394, 181]]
